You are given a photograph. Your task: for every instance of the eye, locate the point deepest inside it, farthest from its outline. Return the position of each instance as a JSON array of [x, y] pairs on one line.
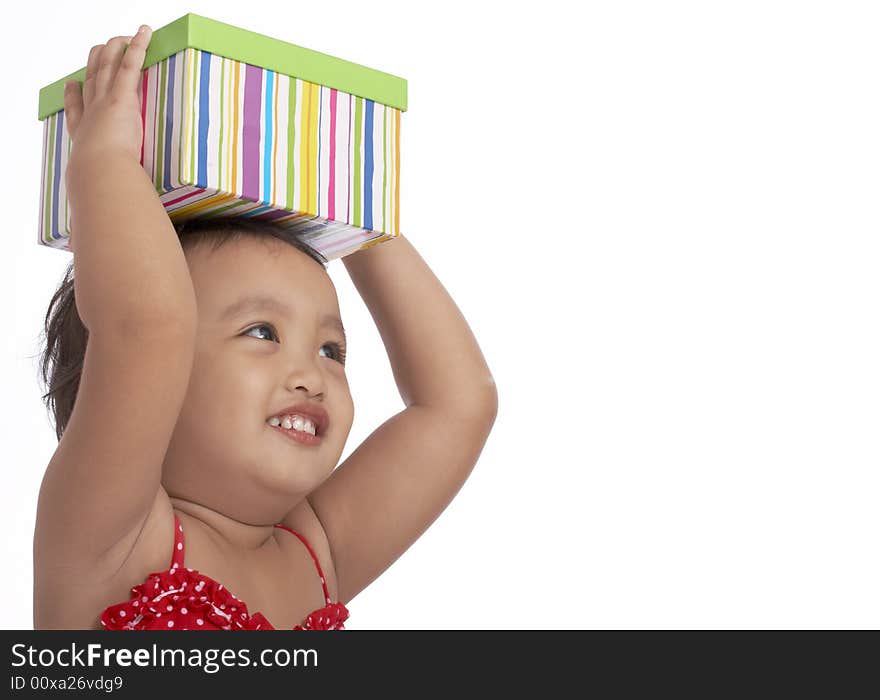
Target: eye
[[338, 351], [262, 325], [338, 348]]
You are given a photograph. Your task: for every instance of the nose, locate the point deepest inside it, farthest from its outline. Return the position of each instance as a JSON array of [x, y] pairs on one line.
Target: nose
[[306, 374]]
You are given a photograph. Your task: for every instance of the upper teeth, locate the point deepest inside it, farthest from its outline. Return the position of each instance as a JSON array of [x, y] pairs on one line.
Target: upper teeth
[[296, 422]]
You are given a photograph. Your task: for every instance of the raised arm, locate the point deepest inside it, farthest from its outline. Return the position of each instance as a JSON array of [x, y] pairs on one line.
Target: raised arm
[[398, 481], [135, 296], [128, 260]]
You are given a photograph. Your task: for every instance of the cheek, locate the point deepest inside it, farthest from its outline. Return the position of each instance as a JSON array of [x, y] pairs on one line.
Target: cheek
[[337, 385], [226, 389], [348, 412]]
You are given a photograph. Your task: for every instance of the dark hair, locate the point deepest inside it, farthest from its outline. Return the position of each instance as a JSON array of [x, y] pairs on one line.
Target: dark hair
[[63, 353]]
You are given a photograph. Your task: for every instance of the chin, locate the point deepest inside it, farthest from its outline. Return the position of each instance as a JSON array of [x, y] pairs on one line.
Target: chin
[[288, 477]]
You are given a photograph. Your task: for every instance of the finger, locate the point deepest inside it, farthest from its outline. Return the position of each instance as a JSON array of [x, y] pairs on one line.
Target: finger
[[129, 75], [73, 106], [111, 56], [88, 88]]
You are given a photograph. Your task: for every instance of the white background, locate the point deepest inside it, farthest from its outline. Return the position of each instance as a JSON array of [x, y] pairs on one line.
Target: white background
[[660, 221]]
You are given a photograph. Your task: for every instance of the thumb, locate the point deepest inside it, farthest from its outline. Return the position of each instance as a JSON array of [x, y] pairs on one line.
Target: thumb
[[73, 106]]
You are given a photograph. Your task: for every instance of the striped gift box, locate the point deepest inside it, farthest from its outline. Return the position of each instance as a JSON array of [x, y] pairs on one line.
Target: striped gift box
[[240, 124]]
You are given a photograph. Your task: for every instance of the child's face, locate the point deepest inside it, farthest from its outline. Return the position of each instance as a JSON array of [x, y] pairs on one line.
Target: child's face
[[223, 454]]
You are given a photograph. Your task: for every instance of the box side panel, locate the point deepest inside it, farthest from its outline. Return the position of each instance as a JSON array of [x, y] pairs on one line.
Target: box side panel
[[54, 220], [291, 146], [167, 117], [188, 110], [150, 94], [43, 235]]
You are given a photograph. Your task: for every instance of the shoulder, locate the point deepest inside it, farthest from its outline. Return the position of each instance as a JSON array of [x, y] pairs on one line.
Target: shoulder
[[72, 596], [303, 519]]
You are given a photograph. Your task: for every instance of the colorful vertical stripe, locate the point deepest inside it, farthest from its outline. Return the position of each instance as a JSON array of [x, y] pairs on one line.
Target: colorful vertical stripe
[[222, 137]]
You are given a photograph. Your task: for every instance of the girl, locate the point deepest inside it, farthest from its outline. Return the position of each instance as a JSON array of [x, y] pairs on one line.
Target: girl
[[201, 404]]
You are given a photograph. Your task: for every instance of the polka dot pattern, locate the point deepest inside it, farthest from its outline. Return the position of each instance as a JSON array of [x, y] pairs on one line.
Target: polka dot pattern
[[194, 601]]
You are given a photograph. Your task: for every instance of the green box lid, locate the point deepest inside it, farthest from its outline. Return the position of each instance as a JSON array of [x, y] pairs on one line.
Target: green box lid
[[220, 39]]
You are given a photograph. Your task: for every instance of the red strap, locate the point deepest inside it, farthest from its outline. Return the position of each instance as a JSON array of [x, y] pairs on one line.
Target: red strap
[[317, 563], [177, 553]]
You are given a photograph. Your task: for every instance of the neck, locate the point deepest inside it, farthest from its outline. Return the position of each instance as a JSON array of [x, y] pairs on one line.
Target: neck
[[227, 531]]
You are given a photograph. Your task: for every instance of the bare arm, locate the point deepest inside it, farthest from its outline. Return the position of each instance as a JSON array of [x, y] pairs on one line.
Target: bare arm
[[433, 353], [128, 259], [127, 256], [398, 481], [134, 293]]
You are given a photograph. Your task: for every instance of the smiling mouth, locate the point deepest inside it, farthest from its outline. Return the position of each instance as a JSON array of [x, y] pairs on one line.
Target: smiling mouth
[[298, 436]]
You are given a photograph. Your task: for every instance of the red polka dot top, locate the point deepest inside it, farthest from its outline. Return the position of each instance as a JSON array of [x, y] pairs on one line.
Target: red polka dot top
[[184, 599]]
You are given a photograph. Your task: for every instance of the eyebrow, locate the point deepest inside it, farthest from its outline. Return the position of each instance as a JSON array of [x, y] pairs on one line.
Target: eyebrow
[[261, 302]]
